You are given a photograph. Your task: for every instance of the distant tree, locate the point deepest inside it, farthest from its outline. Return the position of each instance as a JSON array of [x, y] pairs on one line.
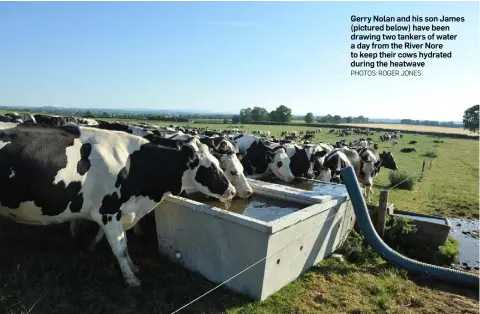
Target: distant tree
[[246, 115], [225, 121], [309, 118], [259, 114], [284, 114], [348, 119], [470, 119], [337, 119], [88, 114], [236, 119], [272, 116]]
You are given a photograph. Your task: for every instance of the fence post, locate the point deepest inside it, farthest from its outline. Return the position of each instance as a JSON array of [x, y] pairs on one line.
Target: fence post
[[423, 167], [382, 212]]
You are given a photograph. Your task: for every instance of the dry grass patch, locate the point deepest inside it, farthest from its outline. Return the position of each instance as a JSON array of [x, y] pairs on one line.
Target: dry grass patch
[[418, 128]]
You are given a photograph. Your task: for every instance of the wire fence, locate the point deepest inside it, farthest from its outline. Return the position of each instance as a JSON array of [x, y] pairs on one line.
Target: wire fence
[[251, 266]]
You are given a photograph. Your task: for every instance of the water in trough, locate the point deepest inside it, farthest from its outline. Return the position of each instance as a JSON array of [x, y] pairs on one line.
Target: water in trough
[[465, 231], [307, 185], [258, 207]]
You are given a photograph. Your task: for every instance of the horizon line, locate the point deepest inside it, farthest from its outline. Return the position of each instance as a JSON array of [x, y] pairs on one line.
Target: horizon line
[[193, 111]]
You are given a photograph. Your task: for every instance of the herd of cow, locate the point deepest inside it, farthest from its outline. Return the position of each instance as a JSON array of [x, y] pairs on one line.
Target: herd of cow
[[59, 169]]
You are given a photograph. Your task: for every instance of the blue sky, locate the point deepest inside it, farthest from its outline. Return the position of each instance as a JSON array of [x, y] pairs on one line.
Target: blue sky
[[224, 56]]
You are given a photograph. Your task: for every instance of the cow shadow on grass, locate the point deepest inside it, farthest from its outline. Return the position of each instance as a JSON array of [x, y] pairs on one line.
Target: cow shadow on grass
[[45, 270]]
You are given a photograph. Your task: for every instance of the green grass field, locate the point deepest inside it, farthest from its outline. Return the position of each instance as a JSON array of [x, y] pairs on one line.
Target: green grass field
[[43, 270]]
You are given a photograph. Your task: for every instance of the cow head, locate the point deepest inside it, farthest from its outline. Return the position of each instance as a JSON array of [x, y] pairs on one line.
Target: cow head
[[317, 161], [204, 173], [229, 158], [388, 161], [368, 169], [308, 160], [333, 164], [279, 163]]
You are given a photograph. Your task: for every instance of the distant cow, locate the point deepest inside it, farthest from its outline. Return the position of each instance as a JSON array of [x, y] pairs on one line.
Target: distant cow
[[412, 142], [56, 174], [408, 150], [307, 137]]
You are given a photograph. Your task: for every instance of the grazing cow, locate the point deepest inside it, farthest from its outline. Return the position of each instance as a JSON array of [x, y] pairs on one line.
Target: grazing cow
[[412, 142], [408, 150], [260, 158], [307, 137], [56, 174]]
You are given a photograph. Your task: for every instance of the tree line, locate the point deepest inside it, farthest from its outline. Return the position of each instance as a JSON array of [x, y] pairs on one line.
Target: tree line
[[449, 124], [249, 115], [257, 114], [284, 114]]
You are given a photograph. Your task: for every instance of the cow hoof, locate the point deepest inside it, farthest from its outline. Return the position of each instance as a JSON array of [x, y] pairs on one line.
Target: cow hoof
[[133, 282]]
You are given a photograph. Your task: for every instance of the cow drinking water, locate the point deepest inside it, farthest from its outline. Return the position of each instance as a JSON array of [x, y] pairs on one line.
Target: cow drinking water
[[261, 159], [56, 174]]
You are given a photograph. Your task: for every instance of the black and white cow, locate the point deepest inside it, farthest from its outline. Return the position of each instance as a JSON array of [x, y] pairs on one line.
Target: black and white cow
[[372, 162], [335, 161], [116, 126], [319, 152], [230, 157], [301, 158], [56, 174], [261, 159], [54, 120], [408, 150], [228, 154]]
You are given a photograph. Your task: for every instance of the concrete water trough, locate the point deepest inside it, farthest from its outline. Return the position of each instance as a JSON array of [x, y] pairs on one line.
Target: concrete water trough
[[432, 229], [286, 230]]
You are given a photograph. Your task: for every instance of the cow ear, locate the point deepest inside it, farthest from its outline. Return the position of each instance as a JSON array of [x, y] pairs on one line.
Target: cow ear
[[240, 156]]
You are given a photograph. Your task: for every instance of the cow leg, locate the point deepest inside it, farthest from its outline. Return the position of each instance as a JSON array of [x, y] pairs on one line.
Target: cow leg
[[73, 227], [97, 239], [117, 238], [138, 230]]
